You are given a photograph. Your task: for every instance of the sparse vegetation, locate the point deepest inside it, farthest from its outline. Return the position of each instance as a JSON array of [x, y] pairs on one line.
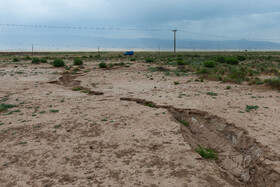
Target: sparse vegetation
[[207, 153], [15, 59], [43, 60], [273, 82], [185, 123], [102, 65], [228, 87], [249, 108], [4, 107], [149, 60], [149, 105], [35, 60], [78, 61], [58, 63], [212, 93], [209, 64], [78, 88], [54, 111], [132, 59]]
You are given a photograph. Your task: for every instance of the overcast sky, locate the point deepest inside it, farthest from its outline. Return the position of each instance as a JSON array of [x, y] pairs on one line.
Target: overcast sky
[[196, 19]]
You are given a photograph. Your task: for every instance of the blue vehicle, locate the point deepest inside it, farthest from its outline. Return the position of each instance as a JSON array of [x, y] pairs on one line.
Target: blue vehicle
[[128, 53]]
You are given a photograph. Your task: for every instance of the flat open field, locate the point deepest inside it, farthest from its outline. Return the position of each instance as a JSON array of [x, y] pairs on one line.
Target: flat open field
[[197, 119]]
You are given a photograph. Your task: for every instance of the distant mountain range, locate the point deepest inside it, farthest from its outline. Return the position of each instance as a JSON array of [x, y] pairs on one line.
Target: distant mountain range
[[73, 42]]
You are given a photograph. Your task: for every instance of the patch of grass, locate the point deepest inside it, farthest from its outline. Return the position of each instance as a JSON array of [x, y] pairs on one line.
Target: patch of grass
[[77, 88], [232, 61], [15, 59], [185, 123], [209, 64], [176, 83], [221, 59], [4, 107], [58, 63], [207, 153], [149, 105], [42, 112], [104, 120], [149, 60], [9, 113], [78, 61], [241, 58], [133, 59], [273, 82], [57, 126], [85, 91], [212, 93], [102, 65], [43, 60], [22, 143], [27, 58], [249, 108], [54, 111], [35, 60], [228, 87]]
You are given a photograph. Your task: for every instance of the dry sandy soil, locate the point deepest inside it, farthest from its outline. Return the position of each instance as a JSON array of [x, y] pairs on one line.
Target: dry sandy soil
[[60, 137]]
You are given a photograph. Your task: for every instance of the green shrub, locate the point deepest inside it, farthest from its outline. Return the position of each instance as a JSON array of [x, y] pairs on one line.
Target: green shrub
[[251, 107], [27, 58], [58, 63], [4, 106], [228, 87], [203, 71], [212, 93], [54, 111], [35, 60], [209, 64], [43, 60], [150, 105], [185, 123], [102, 65], [206, 152], [149, 60], [15, 59], [176, 82], [133, 59], [241, 58], [180, 62], [77, 88], [78, 61], [221, 59], [232, 61], [273, 82]]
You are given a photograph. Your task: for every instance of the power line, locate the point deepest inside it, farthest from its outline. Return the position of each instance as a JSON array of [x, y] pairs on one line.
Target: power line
[[78, 28], [131, 29]]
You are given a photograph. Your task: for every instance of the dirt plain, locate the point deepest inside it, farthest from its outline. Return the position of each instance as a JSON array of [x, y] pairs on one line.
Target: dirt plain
[[124, 129]]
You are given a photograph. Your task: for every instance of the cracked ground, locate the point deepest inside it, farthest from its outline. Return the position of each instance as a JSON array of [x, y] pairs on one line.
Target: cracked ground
[[56, 136]]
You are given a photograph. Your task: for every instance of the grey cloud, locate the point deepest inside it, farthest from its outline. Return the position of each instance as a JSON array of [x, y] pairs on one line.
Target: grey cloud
[[238, 18]]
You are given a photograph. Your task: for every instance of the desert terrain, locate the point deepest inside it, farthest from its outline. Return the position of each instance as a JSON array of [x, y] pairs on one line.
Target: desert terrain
[[147, 120]]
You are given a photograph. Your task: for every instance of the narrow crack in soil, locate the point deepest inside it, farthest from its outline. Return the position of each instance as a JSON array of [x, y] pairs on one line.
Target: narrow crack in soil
[[68, 80], [241, 159]]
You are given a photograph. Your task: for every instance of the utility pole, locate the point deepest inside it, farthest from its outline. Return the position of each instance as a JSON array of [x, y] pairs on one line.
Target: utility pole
[[98, 49], [174, 40], [32, 49]]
